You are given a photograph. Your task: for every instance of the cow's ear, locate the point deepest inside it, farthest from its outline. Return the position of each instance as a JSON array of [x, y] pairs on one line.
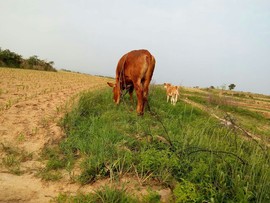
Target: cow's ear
[[110, 84]]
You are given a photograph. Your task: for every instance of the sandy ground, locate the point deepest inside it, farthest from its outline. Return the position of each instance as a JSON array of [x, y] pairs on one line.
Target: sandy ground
[[31, 105]]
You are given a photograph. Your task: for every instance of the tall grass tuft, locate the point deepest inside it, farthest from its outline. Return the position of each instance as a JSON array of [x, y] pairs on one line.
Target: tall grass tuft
[[105, 194]]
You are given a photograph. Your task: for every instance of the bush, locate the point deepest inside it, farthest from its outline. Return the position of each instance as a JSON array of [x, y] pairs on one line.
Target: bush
[[185, 191]]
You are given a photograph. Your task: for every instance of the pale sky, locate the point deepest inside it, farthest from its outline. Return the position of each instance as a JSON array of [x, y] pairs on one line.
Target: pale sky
[[195, 42]]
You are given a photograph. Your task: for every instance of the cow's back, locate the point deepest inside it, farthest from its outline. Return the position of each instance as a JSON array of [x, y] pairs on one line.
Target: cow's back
[[137, 64]]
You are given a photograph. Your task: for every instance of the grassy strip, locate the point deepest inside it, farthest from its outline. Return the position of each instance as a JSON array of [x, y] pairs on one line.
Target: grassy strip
[[251, 120], [177, 146]]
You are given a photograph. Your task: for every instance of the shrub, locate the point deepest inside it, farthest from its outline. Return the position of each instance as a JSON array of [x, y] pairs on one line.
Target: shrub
[[185, 191]]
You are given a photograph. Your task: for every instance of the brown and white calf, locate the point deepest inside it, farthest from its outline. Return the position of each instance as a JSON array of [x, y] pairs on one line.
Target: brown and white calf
[[134, 71], [172, 92]]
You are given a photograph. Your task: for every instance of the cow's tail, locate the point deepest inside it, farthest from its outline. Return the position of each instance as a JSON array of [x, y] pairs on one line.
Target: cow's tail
[[151, 65], [153, 61], [122, 72]]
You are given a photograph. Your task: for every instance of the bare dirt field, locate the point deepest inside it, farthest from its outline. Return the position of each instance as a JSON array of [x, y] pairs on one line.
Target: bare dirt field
[[31, 105]]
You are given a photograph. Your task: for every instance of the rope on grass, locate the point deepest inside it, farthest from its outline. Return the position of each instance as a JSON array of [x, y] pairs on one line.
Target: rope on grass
[[219, 152]]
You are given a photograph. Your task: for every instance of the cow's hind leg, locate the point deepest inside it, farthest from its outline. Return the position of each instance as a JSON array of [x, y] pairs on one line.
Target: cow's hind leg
[[140, 102], [130, 91], [145, 93]]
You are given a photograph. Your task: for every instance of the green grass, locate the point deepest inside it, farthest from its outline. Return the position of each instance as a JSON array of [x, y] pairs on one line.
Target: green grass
[[49, 175], [250, 120], [12, 157], [108, 194], [105, 194], [179, 147]]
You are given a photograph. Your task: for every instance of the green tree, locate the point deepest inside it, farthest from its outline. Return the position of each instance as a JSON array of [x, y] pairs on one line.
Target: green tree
[[10, 59], [33, 61], [231, 86]]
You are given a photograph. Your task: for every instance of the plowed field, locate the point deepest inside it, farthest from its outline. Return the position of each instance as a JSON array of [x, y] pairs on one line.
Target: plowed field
[[31, 106]]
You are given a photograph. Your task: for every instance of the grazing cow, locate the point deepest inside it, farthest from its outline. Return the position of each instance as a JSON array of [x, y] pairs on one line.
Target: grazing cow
[[134, 71], [172, 92]]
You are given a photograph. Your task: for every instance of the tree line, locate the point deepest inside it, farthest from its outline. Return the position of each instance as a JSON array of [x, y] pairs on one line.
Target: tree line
[[14, 60]]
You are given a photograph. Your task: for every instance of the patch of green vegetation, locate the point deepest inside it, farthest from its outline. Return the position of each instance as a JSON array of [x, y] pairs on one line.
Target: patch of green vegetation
[[186, 191], [12, 158], [12, 163], [108, 194], [105, 194], [151, 197], [178, 146], [243, 112], [198, 99], [49, 175], [57, 160], [250, 120], [241, 95]]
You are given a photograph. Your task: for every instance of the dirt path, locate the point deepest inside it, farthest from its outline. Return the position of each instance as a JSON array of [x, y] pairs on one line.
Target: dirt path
[[31, 105]]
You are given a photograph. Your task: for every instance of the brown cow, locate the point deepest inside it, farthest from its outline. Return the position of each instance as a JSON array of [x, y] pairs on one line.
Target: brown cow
[[134, 71], [172, 92]]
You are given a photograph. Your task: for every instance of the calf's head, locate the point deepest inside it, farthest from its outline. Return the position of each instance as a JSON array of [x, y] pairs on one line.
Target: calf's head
[[166, 85]]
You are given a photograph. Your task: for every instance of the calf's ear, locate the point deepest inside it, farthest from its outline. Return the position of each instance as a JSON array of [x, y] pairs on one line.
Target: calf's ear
[[110, 84]]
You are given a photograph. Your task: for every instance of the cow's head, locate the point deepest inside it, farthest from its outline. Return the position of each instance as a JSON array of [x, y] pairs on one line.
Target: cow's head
[[116, 92]]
